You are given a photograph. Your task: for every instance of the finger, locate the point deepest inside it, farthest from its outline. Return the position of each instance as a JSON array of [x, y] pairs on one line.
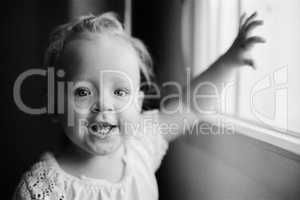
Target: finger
[[242, 18], [253, 40], [249, 19], [252, 25], [250, 63]]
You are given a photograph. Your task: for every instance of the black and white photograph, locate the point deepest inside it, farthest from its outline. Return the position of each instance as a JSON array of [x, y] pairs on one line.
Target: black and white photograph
[[150, 100]]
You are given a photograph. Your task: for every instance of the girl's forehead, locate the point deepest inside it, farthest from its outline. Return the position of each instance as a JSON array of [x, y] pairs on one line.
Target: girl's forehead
[[101, 55], [108, 77]]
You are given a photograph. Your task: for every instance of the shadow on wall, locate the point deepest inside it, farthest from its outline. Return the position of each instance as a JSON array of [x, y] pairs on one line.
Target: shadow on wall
[[228, 167]]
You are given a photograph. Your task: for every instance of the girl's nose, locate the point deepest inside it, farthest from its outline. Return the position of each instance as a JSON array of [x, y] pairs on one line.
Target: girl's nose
[[95, 108], [102, 105]]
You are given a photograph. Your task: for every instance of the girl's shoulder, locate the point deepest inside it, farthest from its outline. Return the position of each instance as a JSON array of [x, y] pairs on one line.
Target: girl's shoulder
[[148, 142], [150, 113], [41, 181], [150, 118]]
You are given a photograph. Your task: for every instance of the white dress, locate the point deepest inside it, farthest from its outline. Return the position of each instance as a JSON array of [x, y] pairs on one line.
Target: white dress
[[143, 155]]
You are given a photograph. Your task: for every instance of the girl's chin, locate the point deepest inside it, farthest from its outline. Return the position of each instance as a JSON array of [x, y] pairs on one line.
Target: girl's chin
[[106, 148]]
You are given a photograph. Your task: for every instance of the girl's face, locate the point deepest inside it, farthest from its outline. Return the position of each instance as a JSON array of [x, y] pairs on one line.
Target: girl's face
[[104, 101]]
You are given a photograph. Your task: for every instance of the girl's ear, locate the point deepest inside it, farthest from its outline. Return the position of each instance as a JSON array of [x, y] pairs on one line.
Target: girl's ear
[[140, 100]]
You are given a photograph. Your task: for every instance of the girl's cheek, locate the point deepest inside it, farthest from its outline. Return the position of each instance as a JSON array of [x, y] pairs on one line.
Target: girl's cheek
[[130, 103], [121, 105], [75, 111], [82, 106]]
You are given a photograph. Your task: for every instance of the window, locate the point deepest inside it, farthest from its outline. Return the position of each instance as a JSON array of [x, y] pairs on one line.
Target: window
[[265, 100], [270, 95]]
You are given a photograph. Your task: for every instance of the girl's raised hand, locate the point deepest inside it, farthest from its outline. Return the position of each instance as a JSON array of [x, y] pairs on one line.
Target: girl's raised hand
[[243, 43]]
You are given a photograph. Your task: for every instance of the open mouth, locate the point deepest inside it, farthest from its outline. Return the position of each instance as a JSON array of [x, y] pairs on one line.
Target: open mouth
[[101, 129]]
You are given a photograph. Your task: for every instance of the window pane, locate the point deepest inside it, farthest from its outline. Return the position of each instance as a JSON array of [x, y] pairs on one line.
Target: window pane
[[271, 95]]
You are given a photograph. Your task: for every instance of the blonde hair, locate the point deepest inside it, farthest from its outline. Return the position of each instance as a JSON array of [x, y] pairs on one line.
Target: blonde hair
[[106, 23]]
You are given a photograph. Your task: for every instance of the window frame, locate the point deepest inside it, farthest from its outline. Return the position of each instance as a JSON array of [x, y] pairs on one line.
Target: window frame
[[287, 140]]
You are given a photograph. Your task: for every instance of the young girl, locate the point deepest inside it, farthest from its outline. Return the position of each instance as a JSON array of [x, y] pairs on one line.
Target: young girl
[[115, 147]]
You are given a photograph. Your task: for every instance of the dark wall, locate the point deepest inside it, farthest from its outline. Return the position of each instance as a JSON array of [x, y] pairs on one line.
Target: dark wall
[[25, 27], [24, 30]]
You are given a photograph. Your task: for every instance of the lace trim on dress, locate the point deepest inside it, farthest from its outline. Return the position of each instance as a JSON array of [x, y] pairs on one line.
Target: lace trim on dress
[[46, 180], [87, 181]]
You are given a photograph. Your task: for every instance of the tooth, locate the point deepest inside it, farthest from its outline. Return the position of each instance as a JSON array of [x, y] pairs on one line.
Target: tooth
[[101, 129]]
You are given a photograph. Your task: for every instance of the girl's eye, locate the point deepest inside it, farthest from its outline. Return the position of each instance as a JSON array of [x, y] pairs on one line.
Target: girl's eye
[[121, 92], [82, 92]]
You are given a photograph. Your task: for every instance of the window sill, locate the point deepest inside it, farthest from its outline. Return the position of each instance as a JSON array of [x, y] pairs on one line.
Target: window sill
[[279, 139]]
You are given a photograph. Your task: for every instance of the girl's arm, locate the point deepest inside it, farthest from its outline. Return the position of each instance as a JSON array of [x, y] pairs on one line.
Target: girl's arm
[[210, 82]]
